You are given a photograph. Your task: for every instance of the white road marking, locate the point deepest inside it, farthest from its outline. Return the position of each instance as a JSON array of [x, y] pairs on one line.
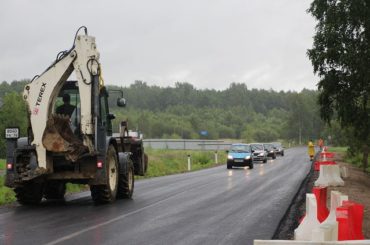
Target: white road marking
[[77, 233]]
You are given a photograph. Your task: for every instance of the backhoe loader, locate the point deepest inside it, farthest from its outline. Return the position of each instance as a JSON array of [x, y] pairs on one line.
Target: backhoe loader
[[70, 136]]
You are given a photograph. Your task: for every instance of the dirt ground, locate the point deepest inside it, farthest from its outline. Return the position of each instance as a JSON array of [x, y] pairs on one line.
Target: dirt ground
[[357, 187]]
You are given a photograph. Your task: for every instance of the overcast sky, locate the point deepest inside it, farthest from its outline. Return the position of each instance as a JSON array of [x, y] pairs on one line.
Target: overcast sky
[[208, 43]]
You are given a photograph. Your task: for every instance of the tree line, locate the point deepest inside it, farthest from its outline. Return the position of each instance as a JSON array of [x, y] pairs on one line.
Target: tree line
[[183, 111]]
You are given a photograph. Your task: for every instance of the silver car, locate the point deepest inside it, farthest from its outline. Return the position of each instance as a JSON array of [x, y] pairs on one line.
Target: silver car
[[259, 152]]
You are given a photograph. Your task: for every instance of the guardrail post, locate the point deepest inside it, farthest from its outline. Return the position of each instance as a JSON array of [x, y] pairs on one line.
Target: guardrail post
[[189, 163], [216, 157]]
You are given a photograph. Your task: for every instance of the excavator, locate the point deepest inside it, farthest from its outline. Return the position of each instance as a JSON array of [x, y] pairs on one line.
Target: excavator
[[70, 137]]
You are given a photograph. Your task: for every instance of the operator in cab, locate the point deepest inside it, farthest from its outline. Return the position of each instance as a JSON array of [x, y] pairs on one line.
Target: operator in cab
[[66, 108]]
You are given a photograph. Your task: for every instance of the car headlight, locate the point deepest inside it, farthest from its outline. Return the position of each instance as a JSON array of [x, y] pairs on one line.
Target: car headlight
[[247, 157], [261, 154], [230, 157]]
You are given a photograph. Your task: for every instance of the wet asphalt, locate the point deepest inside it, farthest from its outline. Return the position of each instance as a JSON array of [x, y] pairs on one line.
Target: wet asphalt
[[212, 206]]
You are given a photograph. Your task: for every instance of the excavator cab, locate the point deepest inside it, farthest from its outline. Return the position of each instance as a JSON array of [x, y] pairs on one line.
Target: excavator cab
[[70, 90]]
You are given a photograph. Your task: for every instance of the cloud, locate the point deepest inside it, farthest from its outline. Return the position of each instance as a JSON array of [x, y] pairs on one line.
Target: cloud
[[208, 43]]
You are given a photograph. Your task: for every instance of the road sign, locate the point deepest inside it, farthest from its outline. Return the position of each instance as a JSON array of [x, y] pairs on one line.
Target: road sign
[[203, 132]]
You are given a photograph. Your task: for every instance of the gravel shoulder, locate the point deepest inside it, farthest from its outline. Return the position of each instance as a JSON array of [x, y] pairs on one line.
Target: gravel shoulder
[[357, 187]]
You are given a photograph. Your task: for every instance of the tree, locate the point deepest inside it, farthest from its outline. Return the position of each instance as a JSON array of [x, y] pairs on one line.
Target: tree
[[341, 57], [12, 113]]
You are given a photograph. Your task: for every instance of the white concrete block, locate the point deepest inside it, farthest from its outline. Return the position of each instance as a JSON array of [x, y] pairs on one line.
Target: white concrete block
[[310, 222], [329, 176], [344, 172], [328, 230], [335, 174]]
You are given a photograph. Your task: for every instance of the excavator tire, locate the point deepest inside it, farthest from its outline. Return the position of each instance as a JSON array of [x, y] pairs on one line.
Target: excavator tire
[[55, 190], [126, 181], [30, 193], [107, 193]]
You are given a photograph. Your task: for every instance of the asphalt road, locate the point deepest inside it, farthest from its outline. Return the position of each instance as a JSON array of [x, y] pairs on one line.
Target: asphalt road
[[213, 206]]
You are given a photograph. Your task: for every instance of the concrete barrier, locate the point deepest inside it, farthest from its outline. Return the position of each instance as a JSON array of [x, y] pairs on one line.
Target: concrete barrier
[[321, 196], [344, 172], [350, 217], [329, 176], [310, 221], [328, 230], [327, 154], [322, 162]]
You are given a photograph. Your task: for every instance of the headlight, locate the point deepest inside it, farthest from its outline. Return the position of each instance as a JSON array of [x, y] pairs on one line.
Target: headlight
[[261, 154], [230, 157], [247, 157]]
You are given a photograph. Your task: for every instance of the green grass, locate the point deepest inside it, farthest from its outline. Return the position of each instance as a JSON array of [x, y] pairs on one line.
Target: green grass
[[166, 162], [73, 188], [7, 195], [355, 160], [340, 149], [2, 164]]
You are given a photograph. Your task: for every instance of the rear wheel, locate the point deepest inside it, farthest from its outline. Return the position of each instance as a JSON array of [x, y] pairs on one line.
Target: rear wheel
[[126, 181], [55, 190], [30, 193], [107, 193]]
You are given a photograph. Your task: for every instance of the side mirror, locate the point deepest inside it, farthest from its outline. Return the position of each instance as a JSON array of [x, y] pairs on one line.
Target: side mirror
[[227, 152], [252, 151], [121, 102]]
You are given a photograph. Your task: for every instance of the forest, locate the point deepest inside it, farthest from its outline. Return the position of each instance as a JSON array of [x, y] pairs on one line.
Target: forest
[[183, 111]]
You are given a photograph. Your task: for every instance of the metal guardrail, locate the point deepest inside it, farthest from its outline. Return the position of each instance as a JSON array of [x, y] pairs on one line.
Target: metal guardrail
[[187, 144]]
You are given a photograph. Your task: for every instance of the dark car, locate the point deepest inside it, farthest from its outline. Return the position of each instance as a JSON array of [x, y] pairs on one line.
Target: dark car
[[259, 153], [270, 149], [279, 149], [240, 155]]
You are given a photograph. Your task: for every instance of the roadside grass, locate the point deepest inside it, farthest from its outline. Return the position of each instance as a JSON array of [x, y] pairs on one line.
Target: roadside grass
[[166, 162], [7, 195], [2, 164], [73, 188], [355, 160], [338, 149]]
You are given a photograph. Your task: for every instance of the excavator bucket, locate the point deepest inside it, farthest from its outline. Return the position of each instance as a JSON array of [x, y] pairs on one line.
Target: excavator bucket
[[58, 137]]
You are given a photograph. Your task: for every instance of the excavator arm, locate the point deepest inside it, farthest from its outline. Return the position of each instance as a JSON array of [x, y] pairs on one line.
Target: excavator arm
[[40, 96]]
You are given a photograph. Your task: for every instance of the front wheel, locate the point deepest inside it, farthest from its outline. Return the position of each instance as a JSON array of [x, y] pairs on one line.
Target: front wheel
[[264, 160], [229, 166], [126, 180], [107, 193], [251, 165]]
